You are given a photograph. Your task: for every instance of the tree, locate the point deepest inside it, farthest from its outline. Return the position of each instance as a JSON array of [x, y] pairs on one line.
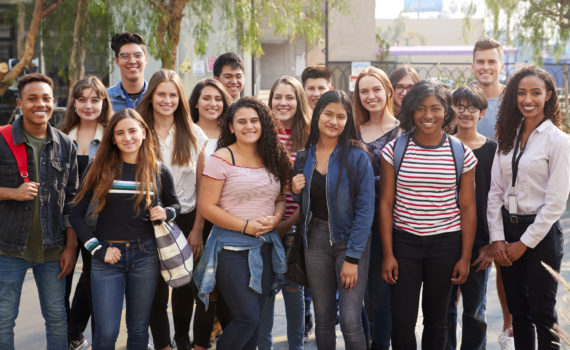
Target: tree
[[39, 13]]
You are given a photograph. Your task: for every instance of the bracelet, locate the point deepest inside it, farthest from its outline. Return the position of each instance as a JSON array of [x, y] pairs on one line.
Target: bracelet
[[244, 227]]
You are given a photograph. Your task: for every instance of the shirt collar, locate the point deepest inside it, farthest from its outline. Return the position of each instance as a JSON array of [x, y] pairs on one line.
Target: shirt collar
[[98, 133]]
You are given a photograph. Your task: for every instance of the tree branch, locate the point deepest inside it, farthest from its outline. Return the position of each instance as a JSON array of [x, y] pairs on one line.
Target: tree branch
[[51, 7]]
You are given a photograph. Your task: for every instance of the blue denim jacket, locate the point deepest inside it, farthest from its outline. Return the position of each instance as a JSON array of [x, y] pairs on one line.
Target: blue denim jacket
[[205, 271], [58, 185], [118, 98], [349, 220]]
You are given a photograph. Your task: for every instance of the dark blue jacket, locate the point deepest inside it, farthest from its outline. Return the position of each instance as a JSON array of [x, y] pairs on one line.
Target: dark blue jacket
[[58, 184], [350, 217]]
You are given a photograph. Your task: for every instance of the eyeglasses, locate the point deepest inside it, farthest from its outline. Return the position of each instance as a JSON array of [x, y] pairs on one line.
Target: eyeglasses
[[127, 56], [401, 88], [470, 109]]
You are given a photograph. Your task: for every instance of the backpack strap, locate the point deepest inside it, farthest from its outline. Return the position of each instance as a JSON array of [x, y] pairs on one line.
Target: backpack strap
[[19, 151], [400, 147], [458, 153]]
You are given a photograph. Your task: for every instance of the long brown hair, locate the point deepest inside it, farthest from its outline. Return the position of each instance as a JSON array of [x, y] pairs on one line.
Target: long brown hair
[[302, 117], [184, 139], [510, 117], [197, 93], [72, 119], [361, 114], [107, 166]]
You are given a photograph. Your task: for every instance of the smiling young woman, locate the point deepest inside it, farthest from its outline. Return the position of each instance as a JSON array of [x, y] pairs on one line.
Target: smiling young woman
[[179, 143], [529, 189]]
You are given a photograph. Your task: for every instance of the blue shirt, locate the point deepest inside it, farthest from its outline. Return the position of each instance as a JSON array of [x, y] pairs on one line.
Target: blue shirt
[[205, 271], [119, 98], [486, 125]]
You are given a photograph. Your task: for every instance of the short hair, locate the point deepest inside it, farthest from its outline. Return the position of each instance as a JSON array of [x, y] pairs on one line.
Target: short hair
[[473, 94], [120, 39], [316, 72], [399, 73], [32, 78], [488, 44], [227, 59]]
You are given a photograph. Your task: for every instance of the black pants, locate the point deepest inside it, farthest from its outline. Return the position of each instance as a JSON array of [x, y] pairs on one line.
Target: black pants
[[427, 260], [81, 308], [182, 302], [530, 289]]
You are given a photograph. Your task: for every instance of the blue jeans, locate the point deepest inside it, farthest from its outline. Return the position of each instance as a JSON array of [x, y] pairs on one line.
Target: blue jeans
[[379, 295], [132, 278], [324, 263], [293, 297], [473, 294], [232, 281], [52, 300]]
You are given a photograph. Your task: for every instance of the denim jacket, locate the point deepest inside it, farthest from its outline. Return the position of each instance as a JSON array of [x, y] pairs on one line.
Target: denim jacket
[[118, 97], [94, 144], [58, 184], [205, 271], [349, 220]]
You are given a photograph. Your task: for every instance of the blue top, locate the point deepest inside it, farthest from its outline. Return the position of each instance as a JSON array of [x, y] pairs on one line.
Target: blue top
[[486, 125], [350, 214], [119, 98], [220, 238]]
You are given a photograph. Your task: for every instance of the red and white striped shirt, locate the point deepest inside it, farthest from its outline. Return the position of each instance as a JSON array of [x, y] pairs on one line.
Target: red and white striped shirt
[[425, 202], [286, 140]]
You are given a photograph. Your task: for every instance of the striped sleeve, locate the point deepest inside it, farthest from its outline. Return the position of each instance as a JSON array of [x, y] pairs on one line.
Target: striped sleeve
[[216, 168], [388, 152], [469, 161]]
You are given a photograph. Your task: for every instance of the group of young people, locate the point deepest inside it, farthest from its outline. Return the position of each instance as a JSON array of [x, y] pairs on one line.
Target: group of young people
[[392, 191]]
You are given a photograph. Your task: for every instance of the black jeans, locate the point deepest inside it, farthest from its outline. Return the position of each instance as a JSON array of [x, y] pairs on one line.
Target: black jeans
[[182, 302], [427, 260], [81, 308], [530, 289]]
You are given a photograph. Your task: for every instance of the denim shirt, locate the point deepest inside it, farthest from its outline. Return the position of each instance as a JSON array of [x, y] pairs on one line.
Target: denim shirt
[[350, 219], [205, 271], [58, 185], [118, 98]]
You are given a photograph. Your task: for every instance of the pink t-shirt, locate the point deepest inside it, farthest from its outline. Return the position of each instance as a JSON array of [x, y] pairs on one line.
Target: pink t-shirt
[[248, 193]]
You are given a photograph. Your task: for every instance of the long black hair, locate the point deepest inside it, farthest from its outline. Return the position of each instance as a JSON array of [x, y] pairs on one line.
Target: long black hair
[[417, 94]]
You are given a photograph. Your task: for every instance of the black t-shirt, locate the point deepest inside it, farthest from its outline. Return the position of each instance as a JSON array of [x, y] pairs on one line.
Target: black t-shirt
[[485, 155], [319, 196]]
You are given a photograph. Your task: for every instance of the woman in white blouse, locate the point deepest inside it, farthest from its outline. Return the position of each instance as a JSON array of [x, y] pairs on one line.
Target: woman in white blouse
[[530, 181], [178, 143]]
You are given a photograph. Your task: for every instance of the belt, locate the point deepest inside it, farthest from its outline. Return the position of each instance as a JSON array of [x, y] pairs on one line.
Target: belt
[[516, 219]]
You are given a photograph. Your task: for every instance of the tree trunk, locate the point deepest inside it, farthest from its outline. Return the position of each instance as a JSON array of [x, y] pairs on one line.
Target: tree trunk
[[39, 13], [169, 30], [77, 58]]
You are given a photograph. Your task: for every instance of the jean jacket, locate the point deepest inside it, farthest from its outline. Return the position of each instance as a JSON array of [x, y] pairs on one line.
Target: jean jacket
[[205, 271], [350, 216], [58, 185]]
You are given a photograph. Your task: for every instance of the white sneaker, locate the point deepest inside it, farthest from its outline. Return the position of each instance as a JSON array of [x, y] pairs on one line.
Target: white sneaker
[[506, 342]]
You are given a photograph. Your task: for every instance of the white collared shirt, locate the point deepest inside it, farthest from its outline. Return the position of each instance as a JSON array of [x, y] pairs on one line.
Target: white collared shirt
[[541, 187], [184, 176]]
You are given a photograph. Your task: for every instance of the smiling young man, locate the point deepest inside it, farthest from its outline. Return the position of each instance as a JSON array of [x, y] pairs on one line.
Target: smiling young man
[[228, 70], [130, 58], [316, 81], [487, 66], [32, 234]]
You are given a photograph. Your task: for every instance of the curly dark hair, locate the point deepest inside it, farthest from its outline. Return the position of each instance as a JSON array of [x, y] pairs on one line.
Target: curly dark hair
[[417, 94], [272, 152], [510, 117]]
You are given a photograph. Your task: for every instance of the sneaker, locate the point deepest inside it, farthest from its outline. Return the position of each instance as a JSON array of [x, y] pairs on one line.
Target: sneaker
[[505, 341], [78, 344]]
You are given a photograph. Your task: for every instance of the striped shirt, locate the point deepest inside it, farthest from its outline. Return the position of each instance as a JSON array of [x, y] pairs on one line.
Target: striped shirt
[[286, 140], [247, 193], [425, 202]]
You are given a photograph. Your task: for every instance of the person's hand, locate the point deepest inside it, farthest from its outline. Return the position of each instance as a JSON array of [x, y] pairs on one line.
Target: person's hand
[[262, 225], [66, 262], [196, 243], [348, 275], [485, 258], [460, 271], [500, 253], [157, 213], [515, 250], [112, 255], [26, 192], [390, 269], [297, 183]]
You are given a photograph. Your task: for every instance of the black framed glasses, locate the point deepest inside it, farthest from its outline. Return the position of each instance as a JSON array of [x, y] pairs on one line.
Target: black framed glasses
[[462, 108]]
